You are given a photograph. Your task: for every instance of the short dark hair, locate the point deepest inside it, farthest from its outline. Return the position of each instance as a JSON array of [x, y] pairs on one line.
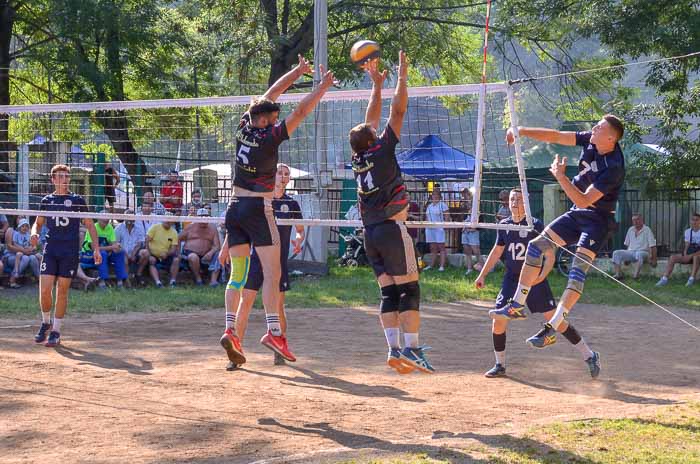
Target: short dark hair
[[361, 137], [59, 168], [696, 214], [262, 105], [616, 124]]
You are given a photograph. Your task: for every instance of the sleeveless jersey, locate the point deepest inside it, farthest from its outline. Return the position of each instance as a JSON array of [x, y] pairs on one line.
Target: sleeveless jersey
[[63, 237], [515, 243], [380, 190], [256, 155]]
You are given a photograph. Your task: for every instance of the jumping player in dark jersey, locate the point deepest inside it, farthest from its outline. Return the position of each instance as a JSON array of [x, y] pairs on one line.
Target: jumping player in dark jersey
[[283, 207], [60, 259], [539, 300], [594, 193], [249, 219], [383, 204]]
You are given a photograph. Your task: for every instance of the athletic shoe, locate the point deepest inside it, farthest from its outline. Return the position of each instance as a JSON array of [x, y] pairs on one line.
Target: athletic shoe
[[690, 282], [496, 371], [159, 284], [43, 332], [278, 344], [173, 284], [427, 268], [415, 358], [662, 282], [594, 364], [442, 269], [469, 271], [54, 339], [232, 345], [393, 359], [510, 311], [545, 337], [232, 366], [279, 360]]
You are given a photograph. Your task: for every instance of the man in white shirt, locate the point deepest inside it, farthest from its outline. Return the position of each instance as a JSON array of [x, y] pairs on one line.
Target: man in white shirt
[[641, 246], [131, 238], [690, 255]]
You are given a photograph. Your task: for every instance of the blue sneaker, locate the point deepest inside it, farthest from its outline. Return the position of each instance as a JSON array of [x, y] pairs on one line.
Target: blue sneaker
[[510, 311], [545, 337], [496, 371], [393, 359], [43, 332], [594, 364], [415, 358], [54, 339]]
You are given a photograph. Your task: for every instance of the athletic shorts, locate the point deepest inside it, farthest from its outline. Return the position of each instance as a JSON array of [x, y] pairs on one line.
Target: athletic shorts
[[586, 228], [60, 266], [390, 249], [255, 276], [250, 220], [164, 263], [540, 299]]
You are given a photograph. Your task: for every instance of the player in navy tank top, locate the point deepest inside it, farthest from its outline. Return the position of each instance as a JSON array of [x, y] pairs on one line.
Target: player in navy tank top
[[593, 192], [60, 259], [511, 245]]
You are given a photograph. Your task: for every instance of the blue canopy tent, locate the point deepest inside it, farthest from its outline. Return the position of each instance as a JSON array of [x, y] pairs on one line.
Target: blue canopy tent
[[433, 159]]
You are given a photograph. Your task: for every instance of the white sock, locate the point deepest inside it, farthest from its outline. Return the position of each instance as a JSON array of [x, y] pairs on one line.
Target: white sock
[[500, 357], [273, 324], [558, 317], [56, 325], [410, 340], [393, 335], [521, 293], [584, 349], [230, 320], [46, 317]]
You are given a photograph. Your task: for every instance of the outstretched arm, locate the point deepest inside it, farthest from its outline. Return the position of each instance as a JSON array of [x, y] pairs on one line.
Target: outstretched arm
[[543, 135], [307, 105], [400, 101], [286, 81], [374, 108]]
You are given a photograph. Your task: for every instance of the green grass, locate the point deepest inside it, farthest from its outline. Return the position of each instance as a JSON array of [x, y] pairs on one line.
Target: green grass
[[346, 287], [672, 437]]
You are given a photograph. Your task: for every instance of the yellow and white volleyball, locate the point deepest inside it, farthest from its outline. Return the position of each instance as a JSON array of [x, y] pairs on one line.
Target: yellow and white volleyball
[[364, 51]]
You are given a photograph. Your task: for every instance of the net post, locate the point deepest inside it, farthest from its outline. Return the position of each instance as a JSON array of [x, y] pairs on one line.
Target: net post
[[98, 182], [518, 154], [23, 177], [481, 115]]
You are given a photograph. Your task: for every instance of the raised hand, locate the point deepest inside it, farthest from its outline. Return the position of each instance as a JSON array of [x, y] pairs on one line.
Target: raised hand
[[374, 74], [558, 168], [328, 78], [403, 65], [304, 66]]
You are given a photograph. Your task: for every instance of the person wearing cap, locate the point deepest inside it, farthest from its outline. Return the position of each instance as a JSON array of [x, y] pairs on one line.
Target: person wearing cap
[[195, 203], [201, 241], [19, 253], [131, 238], [111, 251], [171, 193], [162, 244]]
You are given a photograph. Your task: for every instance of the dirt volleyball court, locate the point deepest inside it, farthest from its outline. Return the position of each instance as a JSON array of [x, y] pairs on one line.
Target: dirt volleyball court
[[147, 388]]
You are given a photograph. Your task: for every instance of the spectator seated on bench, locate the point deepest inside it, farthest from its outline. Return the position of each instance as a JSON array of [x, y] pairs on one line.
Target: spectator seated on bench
[[690, 255], [163, 251], [641, 246], [201, 245], [111, 251], [19, 255]]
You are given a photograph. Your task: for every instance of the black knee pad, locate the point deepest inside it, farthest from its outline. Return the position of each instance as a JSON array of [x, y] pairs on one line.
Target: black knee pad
[[409, 297], [390, 299], [572, 335]]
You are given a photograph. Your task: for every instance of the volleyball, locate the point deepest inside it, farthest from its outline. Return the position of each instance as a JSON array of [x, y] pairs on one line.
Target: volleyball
[[363, 51]]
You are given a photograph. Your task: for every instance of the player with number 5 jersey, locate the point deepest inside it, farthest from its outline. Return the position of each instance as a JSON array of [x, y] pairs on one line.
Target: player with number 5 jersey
[[384, 209], [249, 217]]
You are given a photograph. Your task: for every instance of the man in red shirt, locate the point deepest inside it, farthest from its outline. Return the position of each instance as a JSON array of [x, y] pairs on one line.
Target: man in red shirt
[[171, 193]]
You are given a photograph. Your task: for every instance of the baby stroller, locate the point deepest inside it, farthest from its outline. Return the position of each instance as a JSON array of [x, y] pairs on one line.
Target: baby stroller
[[354, 249]]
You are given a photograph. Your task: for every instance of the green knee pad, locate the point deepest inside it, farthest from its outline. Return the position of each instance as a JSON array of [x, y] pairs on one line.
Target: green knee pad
[[240, 265]]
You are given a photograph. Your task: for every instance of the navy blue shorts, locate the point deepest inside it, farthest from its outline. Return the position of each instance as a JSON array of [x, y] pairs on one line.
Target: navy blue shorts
[[255, 276], [586, 228], [60, 266], [540, 299]]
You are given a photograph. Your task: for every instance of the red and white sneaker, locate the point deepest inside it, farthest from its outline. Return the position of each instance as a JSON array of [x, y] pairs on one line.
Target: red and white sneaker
[[232, 345], [278, 344]]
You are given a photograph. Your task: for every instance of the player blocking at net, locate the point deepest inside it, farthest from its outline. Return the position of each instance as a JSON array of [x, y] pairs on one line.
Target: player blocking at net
[[539, 299], [61, 255], [249, 217], [383, 202], [594, 192]]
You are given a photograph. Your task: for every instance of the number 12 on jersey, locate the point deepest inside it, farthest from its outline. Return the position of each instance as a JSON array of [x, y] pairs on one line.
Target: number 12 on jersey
[[517, 251]]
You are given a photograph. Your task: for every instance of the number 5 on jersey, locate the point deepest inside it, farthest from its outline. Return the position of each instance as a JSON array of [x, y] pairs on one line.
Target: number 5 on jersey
[[243, 154]]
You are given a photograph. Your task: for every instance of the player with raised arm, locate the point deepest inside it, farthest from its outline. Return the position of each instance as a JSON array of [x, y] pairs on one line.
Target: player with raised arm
[[539, 300], [284, 207], [594, 192], [249, 218], [60, 258], [383, 204]]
